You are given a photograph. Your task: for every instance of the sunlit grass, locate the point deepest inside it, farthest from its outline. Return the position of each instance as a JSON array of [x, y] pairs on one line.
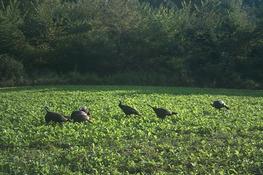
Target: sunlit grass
[[200, 140]]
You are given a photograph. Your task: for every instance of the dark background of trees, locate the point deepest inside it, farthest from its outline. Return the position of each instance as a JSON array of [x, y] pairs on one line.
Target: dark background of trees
[[205, 43]]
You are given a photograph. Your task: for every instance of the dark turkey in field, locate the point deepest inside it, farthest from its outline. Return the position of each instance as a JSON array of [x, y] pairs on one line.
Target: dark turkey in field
[[82, 115], [162, 113], [128, 110], [218, 104], [54, 117]]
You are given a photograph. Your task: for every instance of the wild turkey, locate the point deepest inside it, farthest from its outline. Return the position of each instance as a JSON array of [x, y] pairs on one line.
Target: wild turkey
[[128, 110], [218, 104], [54, 117], [162, 113], [82, 115]]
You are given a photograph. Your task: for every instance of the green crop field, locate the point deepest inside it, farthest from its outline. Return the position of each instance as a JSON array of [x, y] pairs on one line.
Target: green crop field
[[199, 140]]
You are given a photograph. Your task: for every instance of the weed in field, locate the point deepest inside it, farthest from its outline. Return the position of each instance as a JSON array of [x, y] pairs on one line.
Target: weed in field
[[199, 140]]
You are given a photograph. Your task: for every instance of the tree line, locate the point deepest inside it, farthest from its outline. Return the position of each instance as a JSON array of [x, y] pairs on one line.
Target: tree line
[[204, 43]]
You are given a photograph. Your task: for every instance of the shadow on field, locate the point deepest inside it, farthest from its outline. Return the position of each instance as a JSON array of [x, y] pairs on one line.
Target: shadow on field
[[130, 90]]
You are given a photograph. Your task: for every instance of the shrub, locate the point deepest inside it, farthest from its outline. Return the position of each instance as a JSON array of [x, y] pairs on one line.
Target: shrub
[[10, 68]]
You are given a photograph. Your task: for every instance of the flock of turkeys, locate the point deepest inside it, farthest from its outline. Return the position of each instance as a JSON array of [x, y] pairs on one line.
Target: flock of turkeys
[[83, 114]]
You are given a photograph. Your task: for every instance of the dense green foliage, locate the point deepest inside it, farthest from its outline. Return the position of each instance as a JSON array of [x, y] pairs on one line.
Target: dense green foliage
[[10, 68], [200, 140], [209, 43]]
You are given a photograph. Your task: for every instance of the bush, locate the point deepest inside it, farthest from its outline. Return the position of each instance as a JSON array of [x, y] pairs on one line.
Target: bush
[[205, 43], [10, 68]]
